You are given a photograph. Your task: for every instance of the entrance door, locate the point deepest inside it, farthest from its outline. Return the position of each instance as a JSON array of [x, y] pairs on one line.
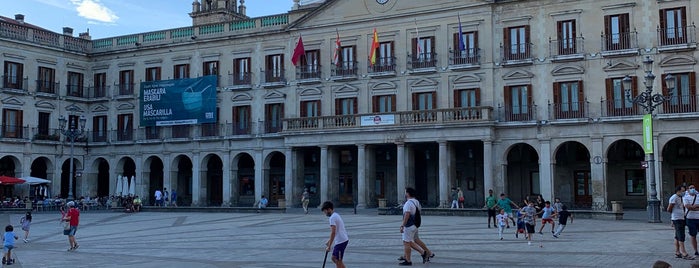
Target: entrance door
[[276, 188], [583, 189], [686, 177], [346, 189]]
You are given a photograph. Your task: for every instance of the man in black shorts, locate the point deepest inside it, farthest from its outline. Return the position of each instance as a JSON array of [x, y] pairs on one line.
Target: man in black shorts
[[490, 203], [530, 220]]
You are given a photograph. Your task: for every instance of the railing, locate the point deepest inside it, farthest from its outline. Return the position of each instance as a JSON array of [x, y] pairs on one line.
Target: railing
[[308, 72], [425, 117], [466, 57], [569, 46], [569, 110], [97, 92], [124, 134], [14, 131], [344, 69], [14, 31], [46, 86], [46, 134], [382, 65], [677, 36], [124, 89], [14, 82], [422, 60], [46, 38], [274, 76], [516, 52], [74, 91], [612, 108], [241, 79], [180, 132], [679, 104], [210, 130], [619, 41], [511, 113], [98, 136], [76, 44], [271, 127]]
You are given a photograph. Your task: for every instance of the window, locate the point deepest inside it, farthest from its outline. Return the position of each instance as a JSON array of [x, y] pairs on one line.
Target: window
[[617, 104], [152, 132], [469, 54], [310, 65], [241, 119], [75, 84], [275, 68], [125, 127], [683, 96], [181, 71], [617, 31], [424, 52], [569, 100], [274, 113], [126, 82], [518, 103], [247, 186], [348, 62], [516, 40], [424, 101], [385, 61], [210, 68], [43, 124], [99, 124], [12, 77], [345, 106], [11, 123], [467, 99], [241, 71], [673, 26], [310, 108], [566, 37], [635, 182], [384, 103], [46, 82], [99, 85], [153, 74]]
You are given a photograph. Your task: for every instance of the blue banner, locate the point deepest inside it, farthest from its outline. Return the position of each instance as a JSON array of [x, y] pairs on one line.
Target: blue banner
[[178, 102]]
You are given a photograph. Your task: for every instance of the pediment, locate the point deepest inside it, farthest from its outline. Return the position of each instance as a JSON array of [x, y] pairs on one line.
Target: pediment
[[424, 82], [99, 108], [567, 69], [275, 94], [346, 88], [517, 74], [45, 105], [12, 101], [125, 106], [310, 91], [241, 96], [383, 86], [620, 65], [677, 60], [465, 79], [75, 109]]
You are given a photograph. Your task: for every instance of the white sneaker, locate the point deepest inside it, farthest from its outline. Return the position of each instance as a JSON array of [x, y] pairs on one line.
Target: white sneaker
[[529, 243]]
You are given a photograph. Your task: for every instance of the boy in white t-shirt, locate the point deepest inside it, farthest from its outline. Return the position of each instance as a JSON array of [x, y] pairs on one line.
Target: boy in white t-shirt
[[502, 221], [338, 235]]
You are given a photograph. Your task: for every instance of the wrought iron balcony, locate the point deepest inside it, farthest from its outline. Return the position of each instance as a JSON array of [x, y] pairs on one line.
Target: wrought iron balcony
[[384, 66], [74, 91], [567, 49], [426, 61], [569, 110], [678, 38], [516, 113], [516, 54], [308, 73], [465, 59], [46, 86], [14, 82], [619, 44], [344, 70]]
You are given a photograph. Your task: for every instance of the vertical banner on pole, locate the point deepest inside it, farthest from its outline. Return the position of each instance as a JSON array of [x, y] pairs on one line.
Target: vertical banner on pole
[[648, 134]]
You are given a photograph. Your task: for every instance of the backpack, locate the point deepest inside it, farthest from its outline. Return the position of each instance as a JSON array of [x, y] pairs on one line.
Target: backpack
[[418, 218]]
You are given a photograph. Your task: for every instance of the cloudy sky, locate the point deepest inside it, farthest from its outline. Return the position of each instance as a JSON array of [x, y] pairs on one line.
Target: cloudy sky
[[108, 18]]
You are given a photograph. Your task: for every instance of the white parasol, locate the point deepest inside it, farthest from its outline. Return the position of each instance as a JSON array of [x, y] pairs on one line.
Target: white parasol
[[117, 190], [125, 186], [132, 186], [34, 180]]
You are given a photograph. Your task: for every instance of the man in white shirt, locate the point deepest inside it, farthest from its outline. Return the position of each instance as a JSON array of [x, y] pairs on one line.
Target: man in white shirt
[[691, 205], [158, 197], [676, 208], [338, 235], [408, 228]]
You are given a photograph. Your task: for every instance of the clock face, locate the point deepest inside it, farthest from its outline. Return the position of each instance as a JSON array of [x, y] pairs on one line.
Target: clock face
[[382, 2]]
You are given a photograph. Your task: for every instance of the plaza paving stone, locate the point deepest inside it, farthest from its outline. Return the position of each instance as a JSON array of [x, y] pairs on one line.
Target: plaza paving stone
[[293, 239]]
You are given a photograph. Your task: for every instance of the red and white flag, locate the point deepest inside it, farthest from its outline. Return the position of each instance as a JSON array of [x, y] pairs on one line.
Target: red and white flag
[[338, 46]]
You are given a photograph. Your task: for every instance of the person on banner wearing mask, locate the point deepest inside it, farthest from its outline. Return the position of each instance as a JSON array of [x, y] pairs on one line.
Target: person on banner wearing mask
[[692, 215]]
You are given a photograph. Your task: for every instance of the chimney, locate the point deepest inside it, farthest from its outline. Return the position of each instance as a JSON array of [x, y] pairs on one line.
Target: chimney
[[68, 31], [19, 18], [85, 35]]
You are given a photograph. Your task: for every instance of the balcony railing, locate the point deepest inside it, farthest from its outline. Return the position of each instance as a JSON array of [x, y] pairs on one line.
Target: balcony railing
[[241, 79], [516, 53], [679, 104], [511, 113], [15, 132], [344, 69], [98, 92], [570, 110], [422, 60], [14, 82], [420, 117], [619, 41], [46, 134], [46, 86], [124, 89], [308, 72], [274, 76], [124, 134], [382, 65], [677, 36], [273, 126], [74, 91], [566, 47], [98, 136], [465, 57], [613, 108]]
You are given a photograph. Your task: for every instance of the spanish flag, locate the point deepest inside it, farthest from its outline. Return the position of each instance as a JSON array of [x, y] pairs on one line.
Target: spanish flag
[[374, 48]]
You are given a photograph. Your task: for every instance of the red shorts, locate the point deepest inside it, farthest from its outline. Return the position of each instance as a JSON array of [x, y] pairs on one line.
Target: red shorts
[[546, 220]]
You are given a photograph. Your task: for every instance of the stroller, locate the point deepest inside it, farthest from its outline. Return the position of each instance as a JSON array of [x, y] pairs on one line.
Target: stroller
[[520, 224]]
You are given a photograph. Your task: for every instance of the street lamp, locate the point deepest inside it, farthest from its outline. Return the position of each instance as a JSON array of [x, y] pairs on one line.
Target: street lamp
[[649, 102], [71, 133]]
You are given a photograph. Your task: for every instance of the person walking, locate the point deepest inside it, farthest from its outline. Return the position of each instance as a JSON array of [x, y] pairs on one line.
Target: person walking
[[530, 221], [173, 200], [166, 197], [676, 209], [338, 235], [461, 197], [691, 214], [454, 198], [501, 220], [563, 220], [506, 204], [547, 214], [408, 228], [158, 197], [305, 199], [26, 223], [73, 217], [490, 204]]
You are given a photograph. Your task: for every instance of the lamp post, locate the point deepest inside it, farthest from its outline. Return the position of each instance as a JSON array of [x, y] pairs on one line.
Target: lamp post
[[71, 133], [649, 101]]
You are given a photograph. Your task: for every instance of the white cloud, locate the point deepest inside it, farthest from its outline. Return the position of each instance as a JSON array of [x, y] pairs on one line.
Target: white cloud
[[94, 10]]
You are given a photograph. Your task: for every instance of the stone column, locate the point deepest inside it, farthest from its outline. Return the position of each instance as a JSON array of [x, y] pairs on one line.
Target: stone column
[[487, 166], [196, 181], [597, 176], [324, 180], [259, 176], [289, 177], [443, 180], [361, 176], [545, 170], [400, 172], [226, 183]]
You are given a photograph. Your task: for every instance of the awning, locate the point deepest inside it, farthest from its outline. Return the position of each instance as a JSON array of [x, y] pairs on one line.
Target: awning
[[34, 180], [7, 180]]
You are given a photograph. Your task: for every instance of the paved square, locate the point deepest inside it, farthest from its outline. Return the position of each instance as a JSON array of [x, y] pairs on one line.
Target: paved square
[[164, 239]]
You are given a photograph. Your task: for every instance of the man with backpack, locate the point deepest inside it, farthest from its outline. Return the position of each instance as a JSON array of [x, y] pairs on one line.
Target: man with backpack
[[408, 228]]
